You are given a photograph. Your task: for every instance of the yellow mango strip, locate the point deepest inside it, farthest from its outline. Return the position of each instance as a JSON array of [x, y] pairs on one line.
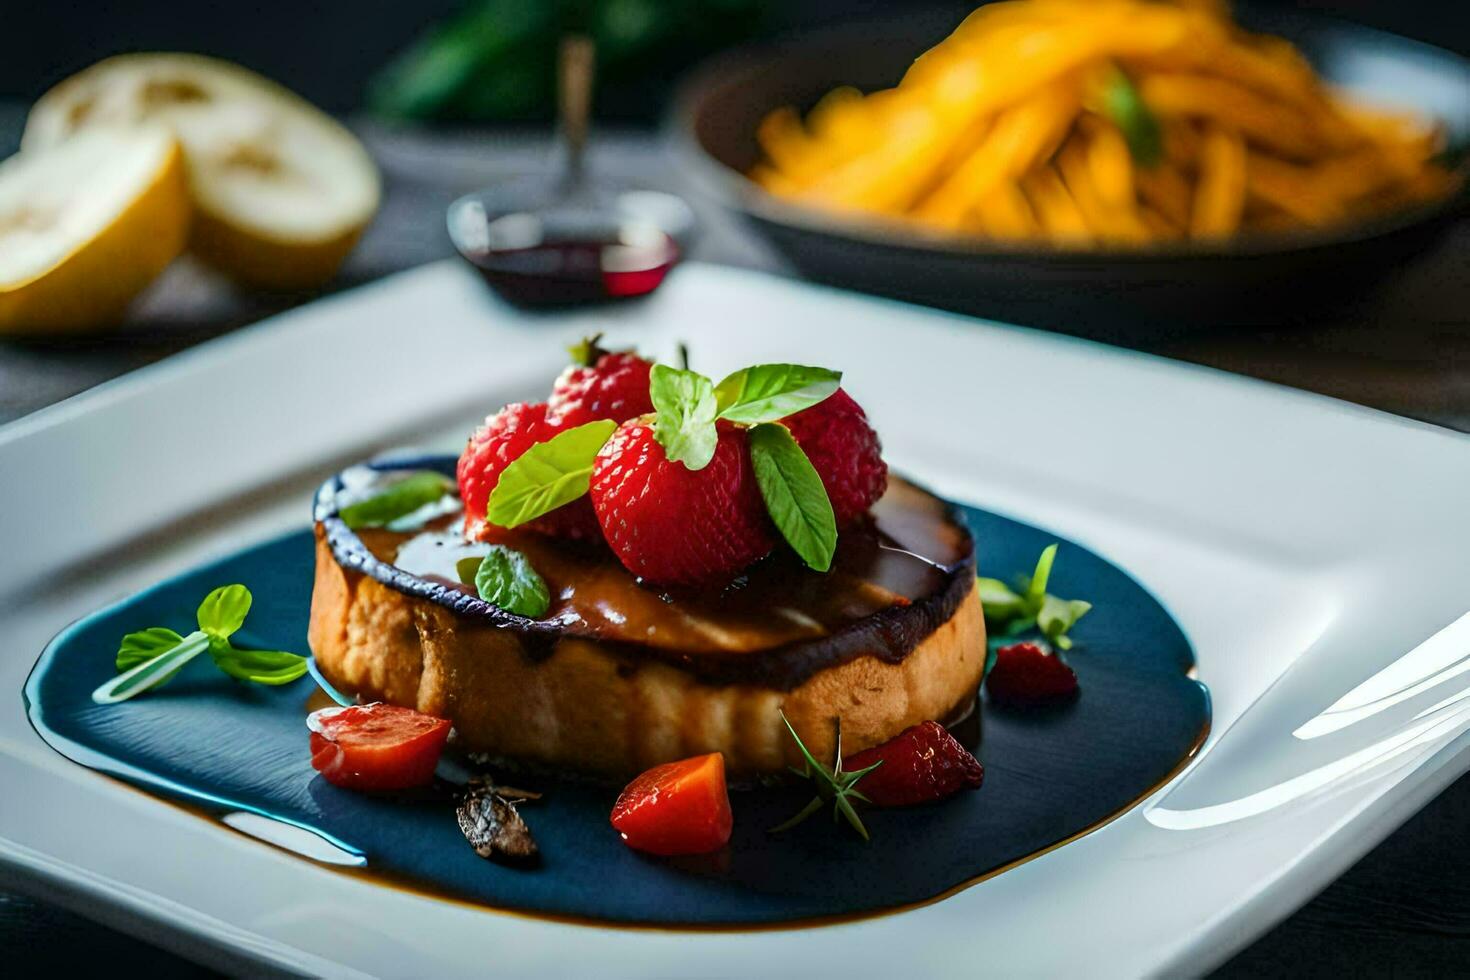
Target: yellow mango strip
[[1106, 221], [1276, 127], [1021, 137], [1292, 189], [1005, 213], [1219, 196], [1165, 190], [1055, 209]]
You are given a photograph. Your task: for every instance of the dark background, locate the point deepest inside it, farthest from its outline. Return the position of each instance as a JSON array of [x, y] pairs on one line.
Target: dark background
[[326, 49], [1404, 910]]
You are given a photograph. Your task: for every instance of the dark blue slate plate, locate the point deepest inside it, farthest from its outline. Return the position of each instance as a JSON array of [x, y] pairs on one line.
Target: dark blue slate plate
[[223, 746]]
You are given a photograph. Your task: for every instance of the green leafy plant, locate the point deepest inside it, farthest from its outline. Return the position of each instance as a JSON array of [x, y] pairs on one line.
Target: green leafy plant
[[767, 392], [794, 495], [1123, 104], [150, 658], [398, 500], [548, 475], [1011, 612], [687, 406], [504, 577], [832, 785]]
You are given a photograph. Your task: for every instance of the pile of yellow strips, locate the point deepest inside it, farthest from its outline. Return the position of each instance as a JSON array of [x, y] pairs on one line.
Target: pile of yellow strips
[[1118, 122]]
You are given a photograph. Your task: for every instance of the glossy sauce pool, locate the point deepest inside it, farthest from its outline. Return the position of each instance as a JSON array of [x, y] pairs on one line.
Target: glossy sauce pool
[[910, 551]]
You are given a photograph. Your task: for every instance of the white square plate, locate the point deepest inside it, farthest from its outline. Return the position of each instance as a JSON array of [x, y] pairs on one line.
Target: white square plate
[[1317, 555]]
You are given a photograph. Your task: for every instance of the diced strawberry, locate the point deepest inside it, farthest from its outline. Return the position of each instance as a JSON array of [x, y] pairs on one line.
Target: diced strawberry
[[920, 764], [1026, 676], [376, 746], [676, 808]]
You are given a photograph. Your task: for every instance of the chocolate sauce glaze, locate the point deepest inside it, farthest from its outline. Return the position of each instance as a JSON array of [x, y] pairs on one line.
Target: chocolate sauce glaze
[[895, 579]]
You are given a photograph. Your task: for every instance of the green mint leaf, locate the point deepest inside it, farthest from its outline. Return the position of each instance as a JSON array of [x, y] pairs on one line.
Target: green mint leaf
[[223, 611], [1122, 103], [767, 392], [398, 500], [794, 495], [505, 578], [468, 567], [153, 671], [548, 475], [272, 667], [1057, 616], [1011, 614], [1036, 586], [999, 600], [685, 403], [145, 645]]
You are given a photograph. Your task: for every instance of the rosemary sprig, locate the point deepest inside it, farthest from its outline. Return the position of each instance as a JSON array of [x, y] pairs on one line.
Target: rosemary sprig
[[832, 784]]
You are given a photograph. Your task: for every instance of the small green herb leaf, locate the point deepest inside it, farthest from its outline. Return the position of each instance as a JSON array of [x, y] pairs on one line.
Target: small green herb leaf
[[548, 475], [685, 403], [1123, 104], [398, 500], [1010, 613], [149, 658], [794, 495], [145, 645], [152, 672], [506, 579], [1057, 616], [831, 783], [272, 667], [468, 567], [767, 392], [223, 611]]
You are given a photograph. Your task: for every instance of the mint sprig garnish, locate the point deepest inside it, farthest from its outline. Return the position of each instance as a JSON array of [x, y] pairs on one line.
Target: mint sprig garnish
[[398, 500], [1124, 105], [685, 424], [150, 658], [794, 495], [832, 784], [767, 392], [1011, 612], [547, 475], [504, 577]]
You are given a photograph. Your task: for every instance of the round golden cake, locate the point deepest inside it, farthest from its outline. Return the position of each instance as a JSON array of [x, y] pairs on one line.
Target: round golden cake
[[618, 677]]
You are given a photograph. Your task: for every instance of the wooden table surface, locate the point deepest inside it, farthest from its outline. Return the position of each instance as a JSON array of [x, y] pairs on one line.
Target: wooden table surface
[[1404, 909]]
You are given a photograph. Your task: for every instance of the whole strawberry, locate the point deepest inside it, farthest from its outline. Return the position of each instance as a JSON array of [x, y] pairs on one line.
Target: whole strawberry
[[494, 446], [673, 525], [1026, 676], [602, 385], [845, 452], [920, 764]]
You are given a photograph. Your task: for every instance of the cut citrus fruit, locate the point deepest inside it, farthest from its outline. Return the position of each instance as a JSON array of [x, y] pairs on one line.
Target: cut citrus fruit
[[281, 190], [85, 226]]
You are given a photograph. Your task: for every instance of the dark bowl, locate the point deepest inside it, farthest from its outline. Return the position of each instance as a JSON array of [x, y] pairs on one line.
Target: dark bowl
[[1250, 279]]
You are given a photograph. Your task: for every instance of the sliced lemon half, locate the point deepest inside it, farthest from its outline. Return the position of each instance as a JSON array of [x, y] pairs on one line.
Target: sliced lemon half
[[281, 190], [85, 226]]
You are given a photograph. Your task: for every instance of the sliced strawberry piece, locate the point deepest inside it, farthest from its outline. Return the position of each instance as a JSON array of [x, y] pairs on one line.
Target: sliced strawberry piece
[[672, 525], [676, 808], [920, 764], [376, 746], [1026, 676]]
